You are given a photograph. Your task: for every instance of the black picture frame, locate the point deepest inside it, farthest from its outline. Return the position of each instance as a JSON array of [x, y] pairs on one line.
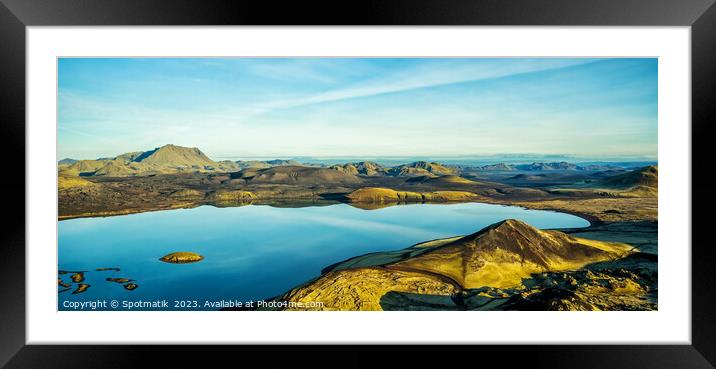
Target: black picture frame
[[16, 15]]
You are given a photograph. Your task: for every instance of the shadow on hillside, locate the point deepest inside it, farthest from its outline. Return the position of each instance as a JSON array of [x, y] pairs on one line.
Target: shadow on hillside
[[597, 286]]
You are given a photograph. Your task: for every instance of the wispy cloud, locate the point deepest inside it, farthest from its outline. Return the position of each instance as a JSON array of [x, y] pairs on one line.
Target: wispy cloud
[[425, 76], [333, 107]]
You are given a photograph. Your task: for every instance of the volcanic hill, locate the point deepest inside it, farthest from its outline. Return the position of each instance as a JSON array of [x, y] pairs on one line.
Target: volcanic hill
[[165, 159], [421, 168], [499, 256], [367, 168], [646, 176]]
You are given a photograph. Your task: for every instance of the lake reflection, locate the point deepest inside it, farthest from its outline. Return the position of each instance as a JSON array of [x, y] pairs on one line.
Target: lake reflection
[[256, 251]]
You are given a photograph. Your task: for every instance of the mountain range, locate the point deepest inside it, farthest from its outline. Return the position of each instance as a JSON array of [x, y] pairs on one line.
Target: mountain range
[[544, 166], [177, 159]]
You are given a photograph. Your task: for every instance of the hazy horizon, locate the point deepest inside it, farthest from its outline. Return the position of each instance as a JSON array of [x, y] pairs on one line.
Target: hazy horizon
[[508, 158], [353, 108]]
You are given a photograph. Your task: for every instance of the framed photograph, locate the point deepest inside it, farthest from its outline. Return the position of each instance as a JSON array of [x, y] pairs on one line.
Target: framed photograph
[[487, 174]]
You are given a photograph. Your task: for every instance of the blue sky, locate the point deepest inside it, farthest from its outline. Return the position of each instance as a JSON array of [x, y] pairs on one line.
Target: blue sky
[[287, 107]]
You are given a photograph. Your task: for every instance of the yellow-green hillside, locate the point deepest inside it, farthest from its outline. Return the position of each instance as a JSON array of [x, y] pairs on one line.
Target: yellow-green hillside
[[498, 256], [385, 195]]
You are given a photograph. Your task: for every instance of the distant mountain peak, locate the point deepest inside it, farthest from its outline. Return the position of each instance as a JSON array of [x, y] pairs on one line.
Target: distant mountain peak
[[176, 156], [363, 167], [67, 161], [646, 176], [169, 158], [421, 168], [498, 167], [282, 162], [562, 165]]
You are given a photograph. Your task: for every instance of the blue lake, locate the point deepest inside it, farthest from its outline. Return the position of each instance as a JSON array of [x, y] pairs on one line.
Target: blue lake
[[256, 251]]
